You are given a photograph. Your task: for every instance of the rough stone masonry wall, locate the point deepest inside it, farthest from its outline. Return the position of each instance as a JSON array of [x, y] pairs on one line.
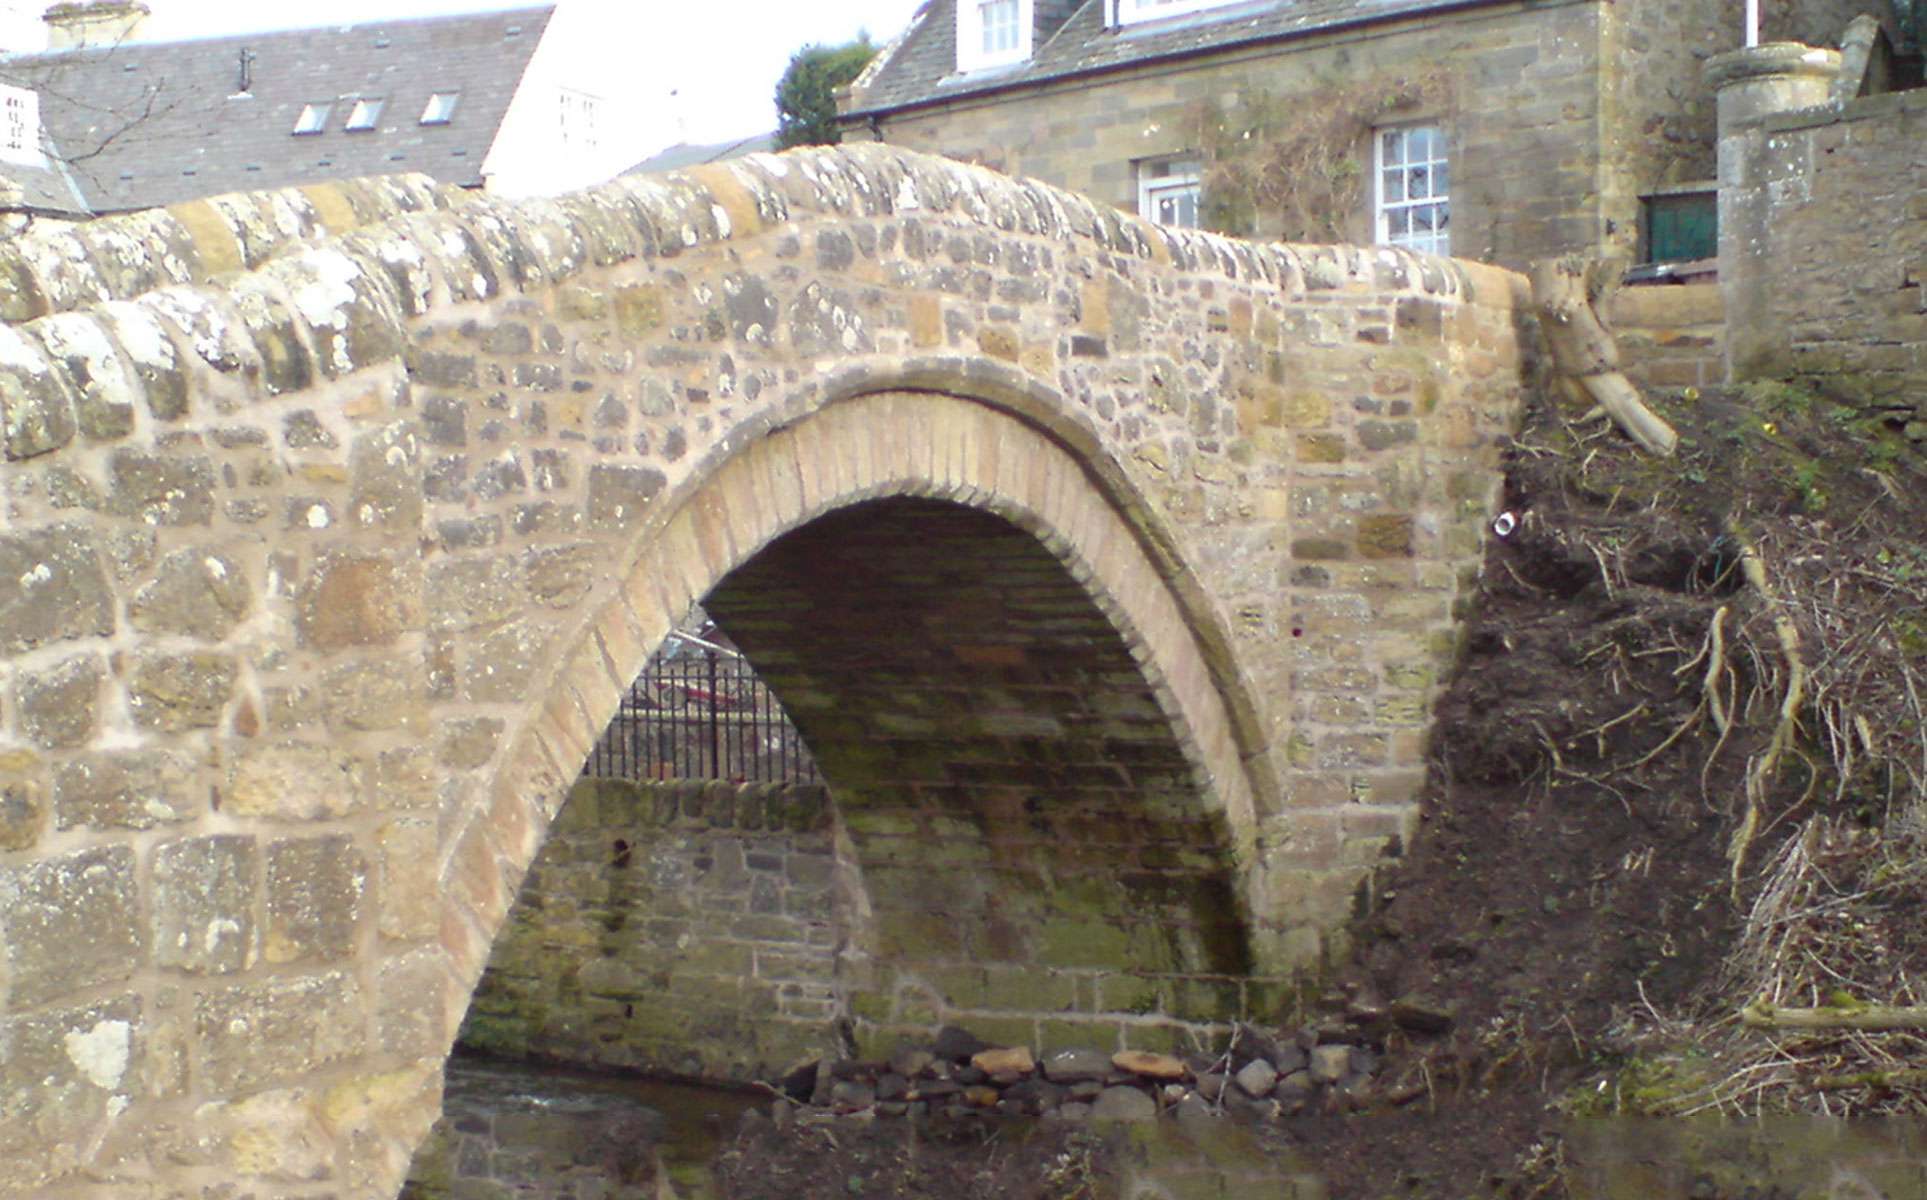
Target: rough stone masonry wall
[[1671, 335], [318, 583], [1659, 124], [1826, 272], [58, 267], [688, 928], [1516, 87]]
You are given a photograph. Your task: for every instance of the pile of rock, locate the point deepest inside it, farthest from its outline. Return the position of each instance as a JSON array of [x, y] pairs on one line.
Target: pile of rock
[[1260, 1076]]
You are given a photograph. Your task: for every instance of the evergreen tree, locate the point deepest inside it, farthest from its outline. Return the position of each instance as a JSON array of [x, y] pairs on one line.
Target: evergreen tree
[[806, 95]]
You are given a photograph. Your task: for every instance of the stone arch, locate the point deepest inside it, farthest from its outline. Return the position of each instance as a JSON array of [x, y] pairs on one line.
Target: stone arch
[[858, 452]]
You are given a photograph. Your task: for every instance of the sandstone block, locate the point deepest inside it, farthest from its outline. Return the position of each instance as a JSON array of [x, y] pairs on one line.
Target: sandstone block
[[59, 706], [36, 411], [1004, 1058], [105, 389], [196, 593], [410, 893], [468, 742], [251, 1036], [71, 922], [204, 904], [60, 1071], [161, 489], [274, 1135], [52, 588], [385, 479], [472, 591], [618, 495], [301, 781], [358, 599], [409, 1004], [124, 789], [314, 892], [1149, 1064], [558, 576], [173, 692], [381, 694], [22, 812]]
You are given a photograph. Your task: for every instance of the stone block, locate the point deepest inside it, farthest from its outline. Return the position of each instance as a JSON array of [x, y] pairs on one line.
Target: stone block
[[358, 599], [52, 588], [199, 593], [170, 693], [204, 904], [23, 811], [410, 895], [59, 1073], [314, 891], [409, 1004], [375, 694], [302, 781], [248, 1037], [69, 923], [125, 789], [36, 410], [161, 489], [473, 591], [59, 706]]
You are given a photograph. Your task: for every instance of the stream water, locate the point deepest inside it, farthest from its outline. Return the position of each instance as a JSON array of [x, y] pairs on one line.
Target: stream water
[[520, 1131]]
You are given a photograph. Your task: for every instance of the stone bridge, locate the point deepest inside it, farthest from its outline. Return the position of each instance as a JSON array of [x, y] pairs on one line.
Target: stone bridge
[[1109, 571]]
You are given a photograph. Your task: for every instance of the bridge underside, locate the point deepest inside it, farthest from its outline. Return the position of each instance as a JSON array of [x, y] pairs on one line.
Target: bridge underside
[[1032, 840]]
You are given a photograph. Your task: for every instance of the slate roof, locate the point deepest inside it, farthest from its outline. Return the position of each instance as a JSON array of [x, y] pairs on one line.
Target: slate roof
[[921, 66], [48, 189], [152, 123], [682, 154]]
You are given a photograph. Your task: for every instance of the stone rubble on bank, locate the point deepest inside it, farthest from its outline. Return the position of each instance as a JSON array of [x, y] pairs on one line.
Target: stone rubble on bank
[[1260, 1076]]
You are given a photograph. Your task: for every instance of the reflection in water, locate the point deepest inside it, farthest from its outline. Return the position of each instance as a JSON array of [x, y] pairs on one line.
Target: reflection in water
[[540, 1131]]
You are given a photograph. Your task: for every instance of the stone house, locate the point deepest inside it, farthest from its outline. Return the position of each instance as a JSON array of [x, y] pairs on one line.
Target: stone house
[[471, 100], [1487, 129]]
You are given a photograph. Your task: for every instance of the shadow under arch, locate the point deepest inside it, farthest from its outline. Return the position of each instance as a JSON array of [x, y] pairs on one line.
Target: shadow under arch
[[849, 446]]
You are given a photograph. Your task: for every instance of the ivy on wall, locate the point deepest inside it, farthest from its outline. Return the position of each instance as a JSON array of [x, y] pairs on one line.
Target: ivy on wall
[[1298, 166]]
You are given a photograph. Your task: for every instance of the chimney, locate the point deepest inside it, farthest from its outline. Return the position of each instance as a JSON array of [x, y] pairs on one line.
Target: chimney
[[73, 24]]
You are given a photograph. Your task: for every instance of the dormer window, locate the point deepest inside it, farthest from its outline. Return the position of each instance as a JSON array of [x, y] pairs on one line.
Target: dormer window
[[1133, 12], [363, 115], [313, 118], [992, 33], [440, 109]]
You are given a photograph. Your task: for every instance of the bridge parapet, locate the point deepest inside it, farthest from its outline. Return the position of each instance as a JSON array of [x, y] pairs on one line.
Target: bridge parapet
[[319, 582]]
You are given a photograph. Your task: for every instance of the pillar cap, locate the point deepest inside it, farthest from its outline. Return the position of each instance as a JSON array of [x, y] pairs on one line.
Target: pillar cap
[[1771, 60]]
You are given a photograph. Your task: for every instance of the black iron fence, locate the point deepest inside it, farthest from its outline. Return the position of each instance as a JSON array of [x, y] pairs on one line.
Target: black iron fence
[[698, 711]]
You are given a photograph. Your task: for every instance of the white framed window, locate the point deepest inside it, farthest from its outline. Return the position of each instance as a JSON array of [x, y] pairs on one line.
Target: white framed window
[[440, 109], [1169, 191], [992, 33], [20, 126], [1132, 12], [578, 119], [1413, 188], [363, 116], [313, 118]]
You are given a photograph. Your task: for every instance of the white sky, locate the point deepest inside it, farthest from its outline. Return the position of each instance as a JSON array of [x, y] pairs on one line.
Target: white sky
[[673, 71]]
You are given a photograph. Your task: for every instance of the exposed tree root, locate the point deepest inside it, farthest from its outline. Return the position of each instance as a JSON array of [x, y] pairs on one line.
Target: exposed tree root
[[1761, 771], [1761, 1015]]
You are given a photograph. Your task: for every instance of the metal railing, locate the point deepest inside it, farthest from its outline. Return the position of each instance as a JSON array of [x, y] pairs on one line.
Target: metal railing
[[698, 711]]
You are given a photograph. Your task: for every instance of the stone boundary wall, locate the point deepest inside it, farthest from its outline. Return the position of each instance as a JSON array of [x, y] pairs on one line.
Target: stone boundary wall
[[1671, 335], [58, 267], [1823, 215], [688, 928]]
